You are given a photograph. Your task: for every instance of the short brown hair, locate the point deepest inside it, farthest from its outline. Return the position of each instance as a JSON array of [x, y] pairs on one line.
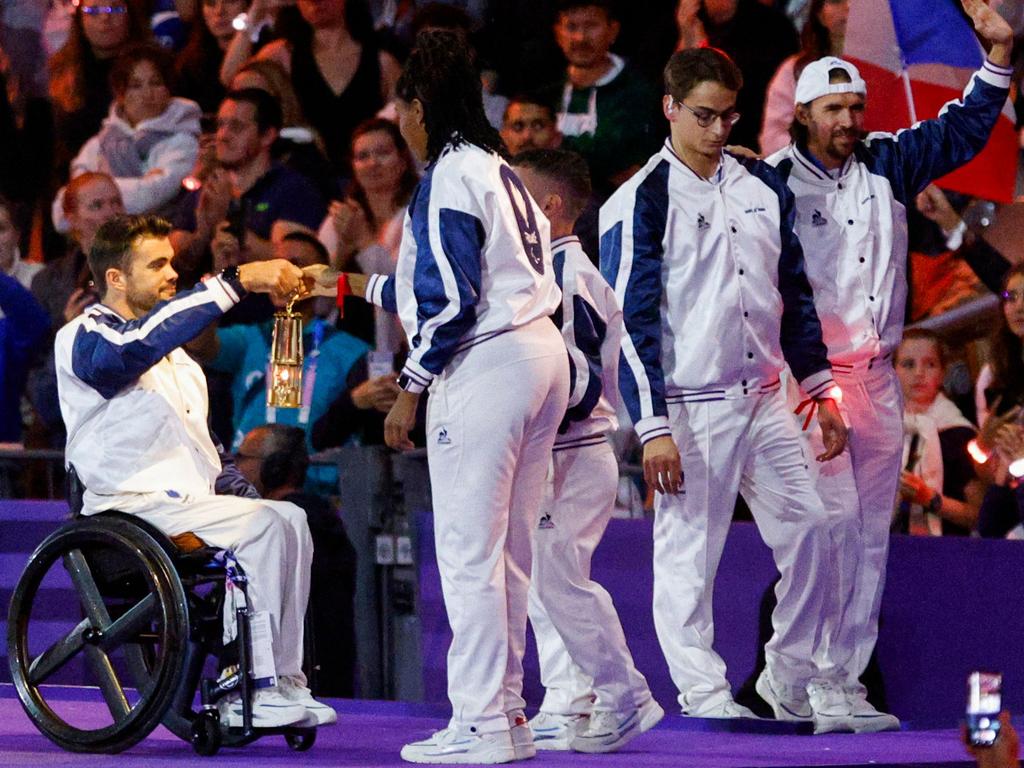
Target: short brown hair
[[688, 69], [567, 169], [112, 247]]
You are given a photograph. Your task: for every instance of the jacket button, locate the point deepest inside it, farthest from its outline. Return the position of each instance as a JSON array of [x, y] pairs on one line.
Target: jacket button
[[750, 355], [849, 221]]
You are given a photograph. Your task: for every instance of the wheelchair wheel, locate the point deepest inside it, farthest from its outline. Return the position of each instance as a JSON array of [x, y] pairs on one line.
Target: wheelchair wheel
[[206, 734], [132, 603], [300, 741]]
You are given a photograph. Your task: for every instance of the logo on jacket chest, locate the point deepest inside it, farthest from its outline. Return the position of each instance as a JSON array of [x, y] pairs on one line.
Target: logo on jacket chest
[[817, 220], [702, 223]]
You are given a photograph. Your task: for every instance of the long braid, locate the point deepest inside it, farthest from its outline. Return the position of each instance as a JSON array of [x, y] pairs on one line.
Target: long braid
[[440, 73]]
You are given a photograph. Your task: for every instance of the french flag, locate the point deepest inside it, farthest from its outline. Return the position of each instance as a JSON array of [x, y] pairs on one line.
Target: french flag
[[915, 55]]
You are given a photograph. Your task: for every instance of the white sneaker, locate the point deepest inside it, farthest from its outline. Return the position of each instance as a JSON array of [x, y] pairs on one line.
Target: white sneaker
[[831, 710], [723, 710], [865, 718], [555, 732], [522, 738], [787, 702], [270, 709], [462, 745], [300, 694], [609, 731]]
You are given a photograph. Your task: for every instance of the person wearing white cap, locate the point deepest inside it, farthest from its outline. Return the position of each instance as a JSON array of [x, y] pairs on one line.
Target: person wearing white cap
[[852, 193]]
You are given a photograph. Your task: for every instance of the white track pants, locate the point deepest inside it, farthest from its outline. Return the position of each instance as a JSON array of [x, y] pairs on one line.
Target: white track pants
[[491, 422], [584, 661], [272, 543], [749, 445], [859, 490]]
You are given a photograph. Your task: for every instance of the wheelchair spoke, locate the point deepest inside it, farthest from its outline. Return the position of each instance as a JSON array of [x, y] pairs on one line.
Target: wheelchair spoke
[[129, 624], [107, 680], [57, 655], [88, 593]]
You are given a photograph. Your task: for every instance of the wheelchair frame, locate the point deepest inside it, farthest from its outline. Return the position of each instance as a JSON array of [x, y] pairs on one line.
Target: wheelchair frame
[[164, 627]]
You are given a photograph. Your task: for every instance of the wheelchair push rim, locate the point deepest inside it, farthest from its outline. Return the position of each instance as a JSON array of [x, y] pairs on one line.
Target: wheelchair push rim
[[150, 621]]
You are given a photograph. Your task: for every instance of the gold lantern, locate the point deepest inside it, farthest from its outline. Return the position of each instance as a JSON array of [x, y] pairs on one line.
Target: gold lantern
[[284, 388]]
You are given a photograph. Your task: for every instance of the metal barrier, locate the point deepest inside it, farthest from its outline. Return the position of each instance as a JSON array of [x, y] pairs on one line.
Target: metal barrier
[[13, 464]]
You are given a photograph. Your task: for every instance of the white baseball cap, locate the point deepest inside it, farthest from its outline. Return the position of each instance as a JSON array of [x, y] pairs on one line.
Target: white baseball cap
[[814, 80]]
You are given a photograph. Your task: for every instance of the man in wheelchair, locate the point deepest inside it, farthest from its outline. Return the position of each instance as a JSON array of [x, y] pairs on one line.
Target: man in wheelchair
[[135, 405]]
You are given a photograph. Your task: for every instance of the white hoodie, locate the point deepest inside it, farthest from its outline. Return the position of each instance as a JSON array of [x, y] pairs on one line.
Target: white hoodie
[[173, 156]]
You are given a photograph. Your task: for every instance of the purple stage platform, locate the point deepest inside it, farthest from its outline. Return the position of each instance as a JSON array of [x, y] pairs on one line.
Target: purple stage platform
[[372, 733]]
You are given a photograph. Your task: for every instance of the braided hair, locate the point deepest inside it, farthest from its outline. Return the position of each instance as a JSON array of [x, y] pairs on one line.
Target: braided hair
[[440, 73]]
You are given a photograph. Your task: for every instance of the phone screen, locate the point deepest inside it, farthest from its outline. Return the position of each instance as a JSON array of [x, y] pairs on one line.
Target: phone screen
[[984, 701]]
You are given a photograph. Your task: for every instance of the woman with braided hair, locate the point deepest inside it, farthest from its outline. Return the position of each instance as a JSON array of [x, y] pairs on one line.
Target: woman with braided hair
[[475, 289]]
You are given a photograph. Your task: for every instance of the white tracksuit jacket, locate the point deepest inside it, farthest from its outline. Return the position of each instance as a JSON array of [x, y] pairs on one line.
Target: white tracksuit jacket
[[711, 279]]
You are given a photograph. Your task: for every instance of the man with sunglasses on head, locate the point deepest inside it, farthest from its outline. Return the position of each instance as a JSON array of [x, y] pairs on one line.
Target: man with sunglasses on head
[[700, 248], [852, 195]]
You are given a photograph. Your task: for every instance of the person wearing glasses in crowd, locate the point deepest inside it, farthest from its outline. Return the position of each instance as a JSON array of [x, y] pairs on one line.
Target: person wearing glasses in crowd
[[852, 194], [80, 72], [700, 248]]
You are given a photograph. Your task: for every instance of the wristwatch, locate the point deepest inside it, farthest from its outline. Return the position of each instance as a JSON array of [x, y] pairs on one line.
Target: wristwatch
[[230, 276], [935, 504]]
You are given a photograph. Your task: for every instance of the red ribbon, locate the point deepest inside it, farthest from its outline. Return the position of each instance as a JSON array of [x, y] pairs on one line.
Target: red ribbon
[[810, 413], [343, 291]]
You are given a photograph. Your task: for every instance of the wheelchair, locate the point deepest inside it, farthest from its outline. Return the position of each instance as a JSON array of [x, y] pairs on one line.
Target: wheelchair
[[151, 613]]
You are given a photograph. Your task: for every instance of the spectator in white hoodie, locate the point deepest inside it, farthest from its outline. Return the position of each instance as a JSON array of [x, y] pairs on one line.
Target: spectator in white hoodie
[[149, 141]]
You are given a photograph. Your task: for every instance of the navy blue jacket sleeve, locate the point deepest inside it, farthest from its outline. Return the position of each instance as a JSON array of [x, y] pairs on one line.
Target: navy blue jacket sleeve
[[632, 231], [380, 290], [916, 156], [109, 353], [446, 281]]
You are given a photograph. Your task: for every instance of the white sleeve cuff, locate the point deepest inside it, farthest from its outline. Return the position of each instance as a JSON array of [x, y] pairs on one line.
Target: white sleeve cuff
[[995, 75], [651, 427], [818, 384], [414, 377], [223, 294]]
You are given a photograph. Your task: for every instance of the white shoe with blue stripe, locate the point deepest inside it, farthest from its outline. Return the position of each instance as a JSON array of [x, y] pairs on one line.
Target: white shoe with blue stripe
[[609, 731], [451, 746], [554, 732], [270, 709]]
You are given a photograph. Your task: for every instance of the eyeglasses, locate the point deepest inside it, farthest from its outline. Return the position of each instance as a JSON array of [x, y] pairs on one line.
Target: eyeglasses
[[705, 117], [103, 10], [1011, 297]]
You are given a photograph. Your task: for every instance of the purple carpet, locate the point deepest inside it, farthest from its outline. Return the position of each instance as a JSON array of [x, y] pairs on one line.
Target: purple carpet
[[371, 733]]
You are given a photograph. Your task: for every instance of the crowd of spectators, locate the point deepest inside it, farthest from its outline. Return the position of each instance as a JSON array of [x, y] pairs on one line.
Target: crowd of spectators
[[265, 128]]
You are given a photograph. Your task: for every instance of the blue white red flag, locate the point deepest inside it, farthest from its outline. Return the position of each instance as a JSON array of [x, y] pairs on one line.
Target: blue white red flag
[[916, 55]]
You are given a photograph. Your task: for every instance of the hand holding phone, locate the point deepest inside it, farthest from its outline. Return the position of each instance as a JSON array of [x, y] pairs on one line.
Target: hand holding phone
[[984, 701]]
